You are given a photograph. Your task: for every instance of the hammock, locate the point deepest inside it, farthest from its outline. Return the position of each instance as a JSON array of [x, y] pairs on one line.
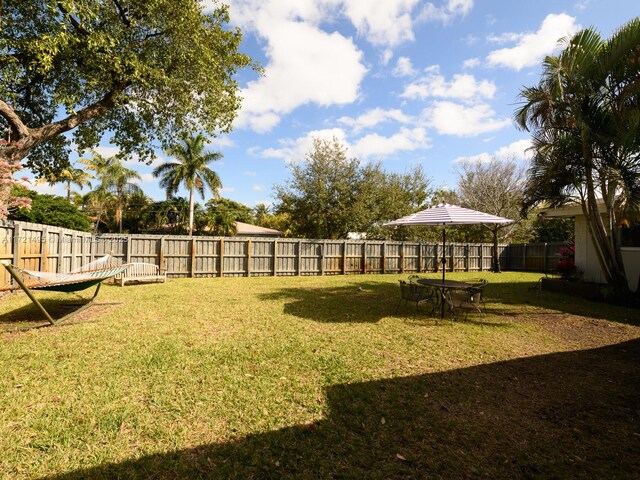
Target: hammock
[[93, 273]]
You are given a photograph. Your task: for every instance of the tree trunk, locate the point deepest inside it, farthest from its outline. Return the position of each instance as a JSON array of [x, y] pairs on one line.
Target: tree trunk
[[495, 258], [602, 238], [119, 211], [191, 208]]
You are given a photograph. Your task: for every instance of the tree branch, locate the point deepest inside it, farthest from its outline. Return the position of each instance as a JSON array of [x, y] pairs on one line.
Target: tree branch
[[122, 12], [87, 113], [72, 19], [15, 122]]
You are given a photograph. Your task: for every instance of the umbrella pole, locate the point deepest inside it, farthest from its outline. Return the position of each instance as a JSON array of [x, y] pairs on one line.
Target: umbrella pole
[[444, 266]]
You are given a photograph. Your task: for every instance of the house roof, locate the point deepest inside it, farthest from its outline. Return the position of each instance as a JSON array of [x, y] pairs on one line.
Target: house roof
[[571, 210], [253, 230]]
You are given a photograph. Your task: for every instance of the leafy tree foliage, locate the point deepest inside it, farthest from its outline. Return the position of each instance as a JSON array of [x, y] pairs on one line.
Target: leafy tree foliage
[[145, 72], [584, 116], [553, 229], [70, 176], [494, 187], [114, 177], [330, 195], [50, 210]]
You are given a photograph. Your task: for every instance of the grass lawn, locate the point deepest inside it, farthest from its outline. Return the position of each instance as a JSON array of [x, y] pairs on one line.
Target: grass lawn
[[319, 377]]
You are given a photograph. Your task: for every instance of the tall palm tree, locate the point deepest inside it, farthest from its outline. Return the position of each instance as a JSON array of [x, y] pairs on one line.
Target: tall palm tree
[[585, 116], [115, 177], [191, 170], [70, 176]]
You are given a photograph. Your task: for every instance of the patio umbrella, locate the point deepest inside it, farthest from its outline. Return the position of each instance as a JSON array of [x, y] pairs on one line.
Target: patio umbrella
[[445, 214]]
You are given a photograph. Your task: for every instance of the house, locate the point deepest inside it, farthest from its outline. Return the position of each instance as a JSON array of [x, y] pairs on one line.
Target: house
[[248, 230], [585, 254]]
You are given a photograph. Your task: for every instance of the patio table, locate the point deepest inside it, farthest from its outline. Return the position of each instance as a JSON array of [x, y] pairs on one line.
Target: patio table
[[444, 286]]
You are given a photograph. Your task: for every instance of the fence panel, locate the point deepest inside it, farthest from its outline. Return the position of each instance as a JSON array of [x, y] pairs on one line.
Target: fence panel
[[53, 249]]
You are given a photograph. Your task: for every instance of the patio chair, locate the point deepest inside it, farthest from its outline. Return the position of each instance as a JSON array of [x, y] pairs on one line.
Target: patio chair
[[467, 299], [413, 292]]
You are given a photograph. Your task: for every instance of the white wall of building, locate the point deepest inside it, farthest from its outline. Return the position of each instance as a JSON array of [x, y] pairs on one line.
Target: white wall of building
[[587, 261]]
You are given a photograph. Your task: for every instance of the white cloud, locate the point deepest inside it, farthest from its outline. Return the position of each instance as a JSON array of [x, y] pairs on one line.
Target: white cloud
[[227, 190], [383, 22], [386, 56], [532, 47], [507, 37], [248, 173], [516, 150], [306, 65], [581, 5], [295, 150], [221, 142], [148, 178], [403, 68], [446, 12], [450, 118], [461, 86], [471, 63], [372, 118], [378, 146], [256, 187]]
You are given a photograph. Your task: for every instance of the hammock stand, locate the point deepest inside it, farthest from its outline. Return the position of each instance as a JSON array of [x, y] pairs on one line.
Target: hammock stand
[[72, 282]]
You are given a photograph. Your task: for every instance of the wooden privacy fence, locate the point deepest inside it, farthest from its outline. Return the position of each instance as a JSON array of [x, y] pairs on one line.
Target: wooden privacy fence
[[53, 249]]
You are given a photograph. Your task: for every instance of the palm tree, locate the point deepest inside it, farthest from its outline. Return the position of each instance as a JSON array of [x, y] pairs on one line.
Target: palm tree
[[191, 170], [70, 176], [584, 116], [115, 177]]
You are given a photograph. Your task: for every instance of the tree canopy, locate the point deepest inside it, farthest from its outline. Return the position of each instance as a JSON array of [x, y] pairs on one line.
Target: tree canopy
[[50, 210], [330, 195], [584, 116], [143, 72]]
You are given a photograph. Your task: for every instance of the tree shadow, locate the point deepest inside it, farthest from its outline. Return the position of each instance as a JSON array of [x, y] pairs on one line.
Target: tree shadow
[[29, 316], [517, 295], [366, 302], [562, 415]]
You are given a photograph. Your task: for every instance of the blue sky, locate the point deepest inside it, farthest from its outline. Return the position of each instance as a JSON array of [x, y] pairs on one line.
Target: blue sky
[[403, 82]]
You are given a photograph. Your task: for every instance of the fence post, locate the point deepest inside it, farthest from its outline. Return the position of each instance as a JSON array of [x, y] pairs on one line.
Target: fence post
[[323, 248], [128, 257], [299, 266], [249, 246], [481, 259], [524, 257], [161, 254], [44, 250], [420, 257], [384, 257], [344, 257], [221, 258], [60, 248], [17, 232], [192, 270], [275, 257], [544, 255], [364, 257], [402, 258]]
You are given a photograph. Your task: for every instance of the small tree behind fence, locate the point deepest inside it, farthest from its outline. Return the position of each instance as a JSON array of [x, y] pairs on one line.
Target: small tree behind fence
[[53, 249]]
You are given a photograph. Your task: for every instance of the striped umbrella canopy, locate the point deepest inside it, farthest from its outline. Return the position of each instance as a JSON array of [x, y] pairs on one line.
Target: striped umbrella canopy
[[446, 214]]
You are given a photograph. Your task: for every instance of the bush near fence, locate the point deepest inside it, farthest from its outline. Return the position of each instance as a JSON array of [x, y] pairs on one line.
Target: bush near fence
[[54, 249]]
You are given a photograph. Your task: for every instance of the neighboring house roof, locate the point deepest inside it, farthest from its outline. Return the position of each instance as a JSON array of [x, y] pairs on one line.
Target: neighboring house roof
[[248, 230], [570, 210]]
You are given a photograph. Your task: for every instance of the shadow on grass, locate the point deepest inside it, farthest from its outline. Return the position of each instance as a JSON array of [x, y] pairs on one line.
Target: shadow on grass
[[29, 316], [515, 295], [366, 302], [563, 415]]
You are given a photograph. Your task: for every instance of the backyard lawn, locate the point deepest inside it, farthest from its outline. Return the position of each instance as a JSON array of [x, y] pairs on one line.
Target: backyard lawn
[[319, 377]]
